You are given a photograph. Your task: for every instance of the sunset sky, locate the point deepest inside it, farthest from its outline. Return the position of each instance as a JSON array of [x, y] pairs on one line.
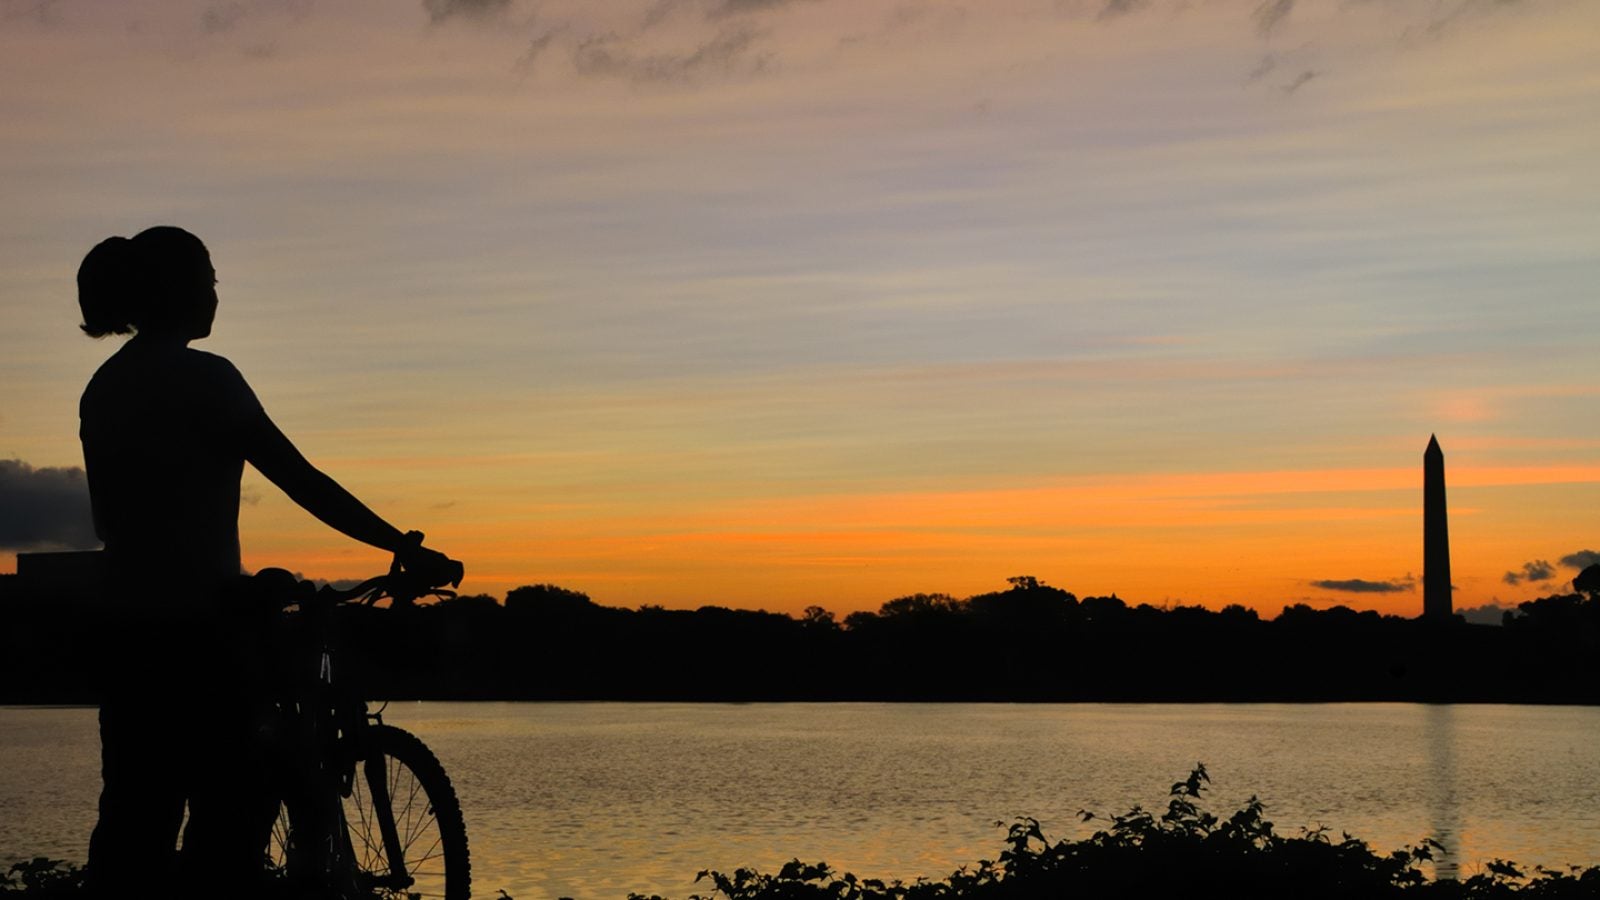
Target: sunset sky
[[772, 303]]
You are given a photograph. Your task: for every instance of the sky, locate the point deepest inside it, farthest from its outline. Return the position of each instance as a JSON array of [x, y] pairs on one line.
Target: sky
[[779, 303]]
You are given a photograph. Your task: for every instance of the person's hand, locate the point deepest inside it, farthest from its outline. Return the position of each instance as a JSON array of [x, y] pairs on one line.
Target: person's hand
[[428, 565]]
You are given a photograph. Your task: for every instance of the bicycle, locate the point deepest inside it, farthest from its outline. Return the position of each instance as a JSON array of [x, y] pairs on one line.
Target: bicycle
[[366, 809]]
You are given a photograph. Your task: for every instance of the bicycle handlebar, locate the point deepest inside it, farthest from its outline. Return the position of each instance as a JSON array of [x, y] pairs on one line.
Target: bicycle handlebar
[[403, 585]]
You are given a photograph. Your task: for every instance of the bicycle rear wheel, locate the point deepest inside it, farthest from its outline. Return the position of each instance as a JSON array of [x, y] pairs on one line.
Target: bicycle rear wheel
[[424, 856]]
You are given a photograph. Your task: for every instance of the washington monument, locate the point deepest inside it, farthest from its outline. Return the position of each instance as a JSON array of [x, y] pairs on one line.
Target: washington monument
[[1436, 605]]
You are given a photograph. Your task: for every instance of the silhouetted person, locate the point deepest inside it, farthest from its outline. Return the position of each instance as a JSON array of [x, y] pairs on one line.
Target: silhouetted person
[[166, 432]]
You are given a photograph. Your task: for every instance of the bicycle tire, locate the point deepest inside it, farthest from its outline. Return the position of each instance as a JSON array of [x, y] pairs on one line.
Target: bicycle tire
[[426, 813], [427, 817]]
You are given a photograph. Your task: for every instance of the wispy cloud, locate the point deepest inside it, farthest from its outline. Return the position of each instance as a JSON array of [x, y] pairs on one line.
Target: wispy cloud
[[1300, 81], [220, 17], [1271, 13], [227, 15], [1445, 15], [738, 7], [1263, 68], [44, 508], [536, 49], [729, 52], [1363, 586], [43, 12], [1115, 8], [442, 10], [660, 11]]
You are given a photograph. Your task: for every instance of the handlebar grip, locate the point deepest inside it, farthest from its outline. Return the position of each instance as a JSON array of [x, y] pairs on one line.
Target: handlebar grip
[[429, 567], [448, 571]]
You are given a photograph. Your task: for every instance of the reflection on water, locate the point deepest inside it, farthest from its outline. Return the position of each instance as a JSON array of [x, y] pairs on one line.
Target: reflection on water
[[1443, 809], [595, 800]]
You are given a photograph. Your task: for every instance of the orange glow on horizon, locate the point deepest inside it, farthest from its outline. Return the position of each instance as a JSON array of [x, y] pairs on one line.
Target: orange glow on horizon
[[1257, 538]]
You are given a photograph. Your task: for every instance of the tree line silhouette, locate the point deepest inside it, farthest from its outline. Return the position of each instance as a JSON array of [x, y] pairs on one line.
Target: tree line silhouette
[[1030, 642]]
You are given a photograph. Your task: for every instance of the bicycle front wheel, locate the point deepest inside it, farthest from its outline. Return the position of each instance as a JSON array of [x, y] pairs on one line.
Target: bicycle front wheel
[[407, 838]]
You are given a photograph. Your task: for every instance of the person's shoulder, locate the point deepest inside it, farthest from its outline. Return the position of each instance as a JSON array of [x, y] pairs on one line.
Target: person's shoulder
[[201, 358], [223, 377], [219, 367]]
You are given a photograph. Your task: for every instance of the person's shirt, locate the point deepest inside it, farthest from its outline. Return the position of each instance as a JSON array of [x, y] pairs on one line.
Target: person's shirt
[[165, 430]]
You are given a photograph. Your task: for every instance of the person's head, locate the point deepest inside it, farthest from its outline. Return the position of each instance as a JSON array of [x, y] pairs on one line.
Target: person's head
[[160, 281]]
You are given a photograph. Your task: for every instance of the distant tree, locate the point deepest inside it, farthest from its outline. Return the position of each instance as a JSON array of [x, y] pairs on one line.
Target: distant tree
[[1029, 603], [920, 606], [1104, 609], [1557, 613], [547, 598], [1190, 615], [1588, 582], [1339, 616], [1238, 612], [860, 620], [815, 617], [1298, 614], [472, 601]]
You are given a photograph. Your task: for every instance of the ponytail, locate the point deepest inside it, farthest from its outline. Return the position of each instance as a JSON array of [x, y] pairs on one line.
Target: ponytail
[[105, 294]]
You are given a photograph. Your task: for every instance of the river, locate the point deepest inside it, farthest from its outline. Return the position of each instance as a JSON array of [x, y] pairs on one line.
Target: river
[[593, 800]]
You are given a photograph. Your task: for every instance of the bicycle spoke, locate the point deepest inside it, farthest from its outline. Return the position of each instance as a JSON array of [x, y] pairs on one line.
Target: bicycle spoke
[[412, 823], [359, 799], [421, 843]]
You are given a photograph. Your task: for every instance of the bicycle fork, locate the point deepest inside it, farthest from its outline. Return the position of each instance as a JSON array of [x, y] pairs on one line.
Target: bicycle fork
[[375, 769]]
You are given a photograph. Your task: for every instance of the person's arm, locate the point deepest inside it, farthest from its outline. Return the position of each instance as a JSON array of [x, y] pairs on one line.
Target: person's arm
[[275, 456], [264, 446]]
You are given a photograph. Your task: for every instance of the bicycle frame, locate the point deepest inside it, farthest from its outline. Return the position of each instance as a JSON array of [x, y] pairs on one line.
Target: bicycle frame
[[326, 732]]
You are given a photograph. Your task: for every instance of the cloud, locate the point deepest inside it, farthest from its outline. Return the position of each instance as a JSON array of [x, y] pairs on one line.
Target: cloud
[[1533, 570], [1300, 81], [1262, 69], [660, 11], [44, 508], [1271, 13], [737, 7], [1114, 8], [44, 12], [440, 10], [536, 48], [1583, 559], [725, 54], [1487, 614], [222, 17], [1445, 16], [1362, 586]]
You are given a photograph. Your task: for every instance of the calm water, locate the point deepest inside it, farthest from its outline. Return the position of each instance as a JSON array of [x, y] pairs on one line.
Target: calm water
[[595, 800]]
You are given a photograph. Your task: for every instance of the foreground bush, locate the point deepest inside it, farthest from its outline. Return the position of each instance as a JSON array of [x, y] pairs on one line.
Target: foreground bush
[[42, 878], [1185, 851]]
